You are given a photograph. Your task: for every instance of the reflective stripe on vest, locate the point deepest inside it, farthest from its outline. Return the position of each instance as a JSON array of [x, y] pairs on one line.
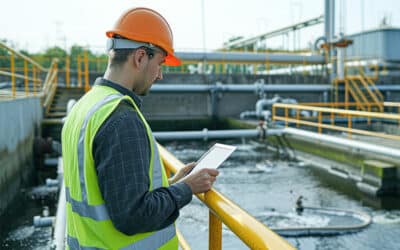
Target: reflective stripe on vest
[[151, 242]]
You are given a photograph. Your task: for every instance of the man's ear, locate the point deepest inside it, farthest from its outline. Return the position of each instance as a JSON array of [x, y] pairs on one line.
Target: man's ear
[[138, 56]]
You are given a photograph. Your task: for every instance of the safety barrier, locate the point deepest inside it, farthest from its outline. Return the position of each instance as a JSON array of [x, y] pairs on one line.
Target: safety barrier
[[332, 113], [222, 210]]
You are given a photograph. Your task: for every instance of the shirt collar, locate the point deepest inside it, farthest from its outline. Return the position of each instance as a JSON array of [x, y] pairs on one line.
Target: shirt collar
[[104, 82]]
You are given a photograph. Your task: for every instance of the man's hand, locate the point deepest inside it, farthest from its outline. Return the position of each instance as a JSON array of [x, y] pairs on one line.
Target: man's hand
[[202, 180], [181, 173]]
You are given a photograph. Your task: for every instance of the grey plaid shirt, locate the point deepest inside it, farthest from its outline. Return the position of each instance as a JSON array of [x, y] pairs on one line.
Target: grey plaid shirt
[[122, 158]]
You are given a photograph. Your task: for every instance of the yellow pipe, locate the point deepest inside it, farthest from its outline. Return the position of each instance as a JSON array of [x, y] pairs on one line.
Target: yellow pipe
[[182, 242], [86, 62], [12, 73], [12, 51], [339, 128], [34, 79], [319, 122], [26, 77], [252, 232], [338, 111], [349, 125], [79, 71], [67, 71], [214, 232]]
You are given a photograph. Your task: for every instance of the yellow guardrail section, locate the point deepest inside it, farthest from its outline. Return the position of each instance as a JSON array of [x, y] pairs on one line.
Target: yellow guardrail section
[[222, 210], [349, 114]]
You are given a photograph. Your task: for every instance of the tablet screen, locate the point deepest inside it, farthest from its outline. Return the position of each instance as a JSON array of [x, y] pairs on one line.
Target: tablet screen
[[215, 156]]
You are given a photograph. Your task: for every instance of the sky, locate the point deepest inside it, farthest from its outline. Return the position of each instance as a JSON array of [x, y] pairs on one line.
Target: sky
[[39, 24]]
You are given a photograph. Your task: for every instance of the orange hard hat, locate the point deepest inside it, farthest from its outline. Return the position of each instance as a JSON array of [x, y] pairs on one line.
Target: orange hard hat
[[148, 26]]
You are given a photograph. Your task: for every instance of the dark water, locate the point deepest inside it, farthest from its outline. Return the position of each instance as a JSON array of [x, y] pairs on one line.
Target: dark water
[[258, 182], [262, 184], [18, 231]]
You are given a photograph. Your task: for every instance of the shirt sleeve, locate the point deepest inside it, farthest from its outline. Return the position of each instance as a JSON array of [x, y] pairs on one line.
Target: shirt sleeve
[[122, 157]]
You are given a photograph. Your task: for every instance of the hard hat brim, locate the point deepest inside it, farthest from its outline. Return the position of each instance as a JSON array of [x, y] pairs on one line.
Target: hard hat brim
[[171, 60]]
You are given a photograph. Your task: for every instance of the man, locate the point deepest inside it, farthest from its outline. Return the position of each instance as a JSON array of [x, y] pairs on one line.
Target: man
[[118, 195]]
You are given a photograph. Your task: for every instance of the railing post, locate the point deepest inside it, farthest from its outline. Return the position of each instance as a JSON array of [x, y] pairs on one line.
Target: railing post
[[297, 118], [86, 71], [56, 72], [346, 94], [12, 69], [67, 62], [34, 79], [369, 117], [274, 112], [319, 122], [215, 233], [349, 125], [286, 117], [78, 65], [26, 78]]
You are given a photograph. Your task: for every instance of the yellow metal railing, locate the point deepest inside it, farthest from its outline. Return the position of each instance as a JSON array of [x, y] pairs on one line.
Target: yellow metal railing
[[43, 88], [222, 210], [332, 113], [28, 73]]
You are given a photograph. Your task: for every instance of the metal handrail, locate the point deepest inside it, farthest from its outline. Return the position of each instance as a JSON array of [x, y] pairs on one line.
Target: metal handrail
[[35, 66], [346, 113], [252, 232], [23, 57]]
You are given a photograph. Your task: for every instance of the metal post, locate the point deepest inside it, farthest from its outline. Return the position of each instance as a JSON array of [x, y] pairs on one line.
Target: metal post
[[286, 117], [26, 78], [56, 76], [346, 94], [349, 124], [34, 79], [78, 63], [86, 71], [67, 71], [12, 69], [215, 232], [297, 118], [319, 122]]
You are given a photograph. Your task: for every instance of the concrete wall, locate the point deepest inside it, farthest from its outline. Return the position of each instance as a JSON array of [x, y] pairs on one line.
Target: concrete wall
[[188, 105], [19, 121]]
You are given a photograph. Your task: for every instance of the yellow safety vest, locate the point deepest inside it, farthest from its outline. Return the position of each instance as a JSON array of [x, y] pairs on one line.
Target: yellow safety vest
[[88, 223]]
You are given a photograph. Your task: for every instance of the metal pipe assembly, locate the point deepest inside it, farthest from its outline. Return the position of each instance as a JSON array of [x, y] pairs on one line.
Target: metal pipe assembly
[[165, 88], [250, 57], [206, 134]]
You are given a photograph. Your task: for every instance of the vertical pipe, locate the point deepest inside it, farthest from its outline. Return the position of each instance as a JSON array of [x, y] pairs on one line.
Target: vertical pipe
[[79, 71], [12, 69], [369, 117], [26, 77], [340, 63], [273, 112], [86, 71], [319, 122], [34, 79], [346, 94], [215, 233], [56, 76], [349, 125], [286, 117], [67, 71]]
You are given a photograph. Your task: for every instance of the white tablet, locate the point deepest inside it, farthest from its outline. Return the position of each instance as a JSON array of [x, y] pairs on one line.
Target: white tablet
[[214, 157]]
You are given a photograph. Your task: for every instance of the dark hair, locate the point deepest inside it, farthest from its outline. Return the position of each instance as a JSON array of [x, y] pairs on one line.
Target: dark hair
[[119, 56]]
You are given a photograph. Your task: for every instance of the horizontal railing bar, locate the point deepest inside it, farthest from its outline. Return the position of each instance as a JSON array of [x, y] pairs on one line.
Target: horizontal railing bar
[[337, 111], [333, 127]]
